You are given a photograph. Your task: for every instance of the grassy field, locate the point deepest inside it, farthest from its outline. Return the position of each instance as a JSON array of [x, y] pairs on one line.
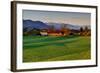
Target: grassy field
[[55, 48]]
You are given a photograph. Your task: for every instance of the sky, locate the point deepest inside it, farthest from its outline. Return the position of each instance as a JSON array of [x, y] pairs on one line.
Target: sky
[[74, 18]]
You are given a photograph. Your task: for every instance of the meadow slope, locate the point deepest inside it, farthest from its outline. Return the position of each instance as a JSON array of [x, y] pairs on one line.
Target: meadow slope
[[55, 48]]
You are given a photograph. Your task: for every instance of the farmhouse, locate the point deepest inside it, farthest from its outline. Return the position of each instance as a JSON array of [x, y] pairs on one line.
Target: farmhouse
[[65, 31], [44, 32], [59, 33], [54, 34]]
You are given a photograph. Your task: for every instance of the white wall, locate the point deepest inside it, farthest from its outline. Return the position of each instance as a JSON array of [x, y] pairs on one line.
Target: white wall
[[5, 37]]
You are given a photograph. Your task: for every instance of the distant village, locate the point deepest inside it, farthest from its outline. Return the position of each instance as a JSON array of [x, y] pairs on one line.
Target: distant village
[[62, 32]]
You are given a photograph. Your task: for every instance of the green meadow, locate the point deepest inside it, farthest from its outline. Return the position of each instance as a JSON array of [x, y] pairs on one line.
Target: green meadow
[[55, 48]]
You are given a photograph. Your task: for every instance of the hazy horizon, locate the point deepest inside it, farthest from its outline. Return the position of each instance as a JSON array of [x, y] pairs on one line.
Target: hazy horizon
[[75, 18]]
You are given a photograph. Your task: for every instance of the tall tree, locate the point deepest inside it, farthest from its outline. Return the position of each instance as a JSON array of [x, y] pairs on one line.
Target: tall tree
[[81, 29], [86, 28], [52, 28]]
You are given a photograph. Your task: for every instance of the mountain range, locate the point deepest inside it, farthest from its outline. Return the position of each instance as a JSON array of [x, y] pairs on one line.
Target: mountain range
[[29, 24]]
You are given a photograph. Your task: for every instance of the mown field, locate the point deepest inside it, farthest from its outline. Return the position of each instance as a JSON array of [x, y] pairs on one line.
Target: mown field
[[55, 48]]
